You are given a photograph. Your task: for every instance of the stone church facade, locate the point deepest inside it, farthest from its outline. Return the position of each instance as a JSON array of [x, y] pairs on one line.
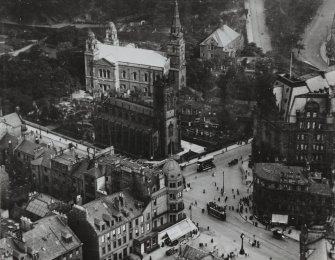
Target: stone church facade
[[136, 93]]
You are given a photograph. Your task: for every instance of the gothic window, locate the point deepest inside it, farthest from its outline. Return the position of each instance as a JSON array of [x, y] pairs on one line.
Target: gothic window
[[170, 129]]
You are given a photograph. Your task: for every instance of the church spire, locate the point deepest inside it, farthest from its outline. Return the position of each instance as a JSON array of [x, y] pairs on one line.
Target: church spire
[[176, 25]]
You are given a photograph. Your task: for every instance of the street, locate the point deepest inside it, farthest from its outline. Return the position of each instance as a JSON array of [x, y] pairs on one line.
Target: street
[[227, 233], [316, 33], [256, 28]]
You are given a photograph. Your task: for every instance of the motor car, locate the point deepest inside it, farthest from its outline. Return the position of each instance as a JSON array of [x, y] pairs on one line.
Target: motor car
[[171, 251]]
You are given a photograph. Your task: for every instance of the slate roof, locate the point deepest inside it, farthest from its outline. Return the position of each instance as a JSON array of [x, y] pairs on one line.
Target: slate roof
[[6, 138], [105, 206], [46, 238], [223, 36], [28, 147], [12, 119], [115, 54]]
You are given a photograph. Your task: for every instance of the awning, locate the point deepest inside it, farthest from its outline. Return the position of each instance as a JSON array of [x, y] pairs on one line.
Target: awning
[[180, 229], [277, 218]]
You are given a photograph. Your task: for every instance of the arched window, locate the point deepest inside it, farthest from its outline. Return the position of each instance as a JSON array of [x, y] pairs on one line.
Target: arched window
[[170, 130]]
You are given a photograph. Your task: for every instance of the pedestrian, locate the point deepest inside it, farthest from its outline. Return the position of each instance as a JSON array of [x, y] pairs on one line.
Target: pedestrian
[[150, 258]]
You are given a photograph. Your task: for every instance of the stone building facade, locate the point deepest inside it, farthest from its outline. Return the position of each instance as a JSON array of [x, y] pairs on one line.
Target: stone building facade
[[291, 191], [304, 133], [137, 93], [128, 221]]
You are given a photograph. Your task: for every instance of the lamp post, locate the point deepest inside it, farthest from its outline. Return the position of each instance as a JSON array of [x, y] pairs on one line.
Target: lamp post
[[242, 249], [222, 183]]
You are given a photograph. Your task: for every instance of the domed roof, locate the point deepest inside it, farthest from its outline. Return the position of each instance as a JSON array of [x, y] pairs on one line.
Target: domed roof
[[171, 169], [111, 26]]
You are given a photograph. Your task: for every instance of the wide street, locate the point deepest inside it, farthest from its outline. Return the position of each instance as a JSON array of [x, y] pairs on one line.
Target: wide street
[[227, 233], [316, 33], [257, 30]]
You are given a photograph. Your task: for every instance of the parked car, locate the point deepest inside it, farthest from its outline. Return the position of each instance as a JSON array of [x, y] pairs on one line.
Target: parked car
[[171, 251]]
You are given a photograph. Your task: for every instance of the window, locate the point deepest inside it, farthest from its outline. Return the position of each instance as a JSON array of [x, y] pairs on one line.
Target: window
[[119, 242], [170, 129], [100, 73], [313, 125], [146, 78], [123, 74], [148, 215], [103, 239], [118, 231], [134, 76], [124, 239], [103, 250], [104, 71], [113, 233], [136, 222], [108, 74], [77, 252], [136, 232], [130, 235], [148, 227], [142, 219], [318, 137], [300, 125], [302, 137], [308, 125], [180, 194], [109, 247], [172, 185], [314, 114], [155, 202], [308, 114], [155, 212], [114, 244], [142, 229]]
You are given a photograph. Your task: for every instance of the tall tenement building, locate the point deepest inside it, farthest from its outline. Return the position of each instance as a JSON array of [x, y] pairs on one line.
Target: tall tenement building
[[304, 133], [136, 92]]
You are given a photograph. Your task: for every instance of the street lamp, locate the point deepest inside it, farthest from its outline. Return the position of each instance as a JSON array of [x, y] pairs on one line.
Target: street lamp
[[242, 249]]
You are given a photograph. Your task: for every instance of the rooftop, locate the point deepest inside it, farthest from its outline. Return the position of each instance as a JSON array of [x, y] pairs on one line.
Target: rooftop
[[47, 238], [6, 138], [223, 36], [105, 207], [29, 147], [12, 119], [275, 171], [67, 157], [39, 204], [116, 54]]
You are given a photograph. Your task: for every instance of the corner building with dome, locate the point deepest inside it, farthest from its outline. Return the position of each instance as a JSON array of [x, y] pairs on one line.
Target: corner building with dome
[[136, 92]]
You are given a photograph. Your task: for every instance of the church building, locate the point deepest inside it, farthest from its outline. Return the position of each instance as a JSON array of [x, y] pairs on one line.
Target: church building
[[136, 92]]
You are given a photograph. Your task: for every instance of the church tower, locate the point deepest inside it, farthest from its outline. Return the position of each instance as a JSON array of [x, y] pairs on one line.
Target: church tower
[[176, 51], [91, 53], [166, 121], [111, 35]]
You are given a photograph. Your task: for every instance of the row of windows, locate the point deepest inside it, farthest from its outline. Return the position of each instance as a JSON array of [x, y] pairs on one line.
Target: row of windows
[[134, 76], [309, 114], [309, 125], [104, 87], [304, 147], [317, 137], [123, 87], [104, 74], [174, 185], [175, 196], [303, 158], [69, 255], [118, 243]]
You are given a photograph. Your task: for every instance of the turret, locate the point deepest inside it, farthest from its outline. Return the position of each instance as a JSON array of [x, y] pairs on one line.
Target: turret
[[111, 35]]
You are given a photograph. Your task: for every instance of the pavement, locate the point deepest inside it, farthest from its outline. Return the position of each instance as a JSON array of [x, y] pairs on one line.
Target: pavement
[[227, 233], [316, 33], [257, 30]]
